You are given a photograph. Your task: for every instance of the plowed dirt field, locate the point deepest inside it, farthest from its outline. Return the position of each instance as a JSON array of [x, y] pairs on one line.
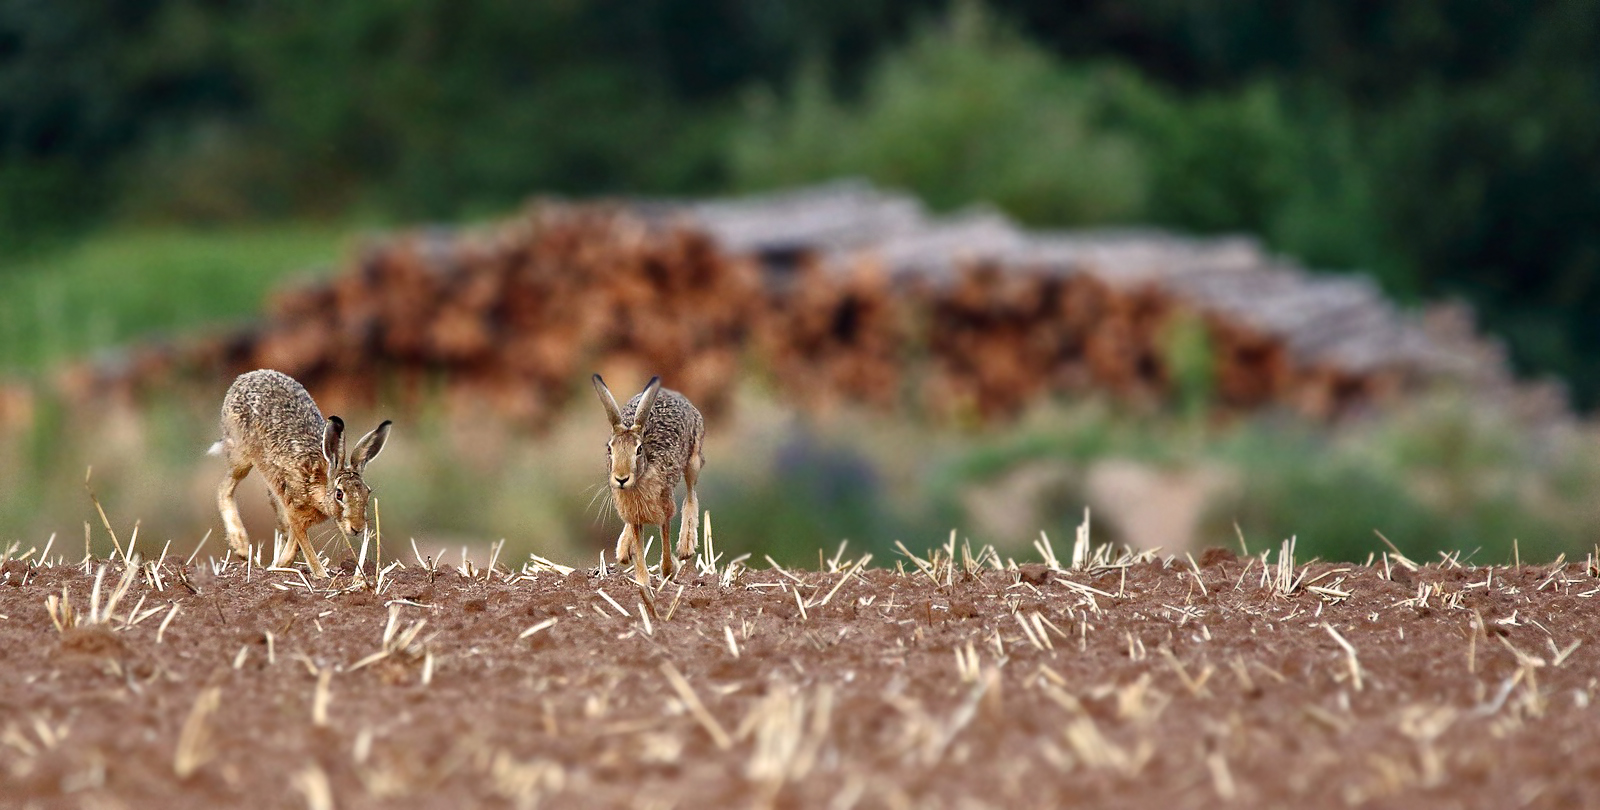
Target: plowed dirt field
[[1137, 681]]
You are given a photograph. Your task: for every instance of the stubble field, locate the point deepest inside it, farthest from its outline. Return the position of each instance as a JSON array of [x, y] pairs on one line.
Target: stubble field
[[950, 678]]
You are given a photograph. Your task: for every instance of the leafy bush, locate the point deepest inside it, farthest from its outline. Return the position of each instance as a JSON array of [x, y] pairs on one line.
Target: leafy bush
[[816, 493], [1437, 475], [966, 111], [42, 202], [1333, 509], [1250, 160]]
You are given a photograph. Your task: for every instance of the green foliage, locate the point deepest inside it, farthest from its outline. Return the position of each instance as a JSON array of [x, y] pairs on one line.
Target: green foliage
[[1493, 191], [205, 112], [424, 108], [1189, 356], [1437, 476], [969, 110], [1332, 509], [817, 492], [1221, 162], [1250, 160], [120, 285], [1337, 507], [966, 111], [42, 203]]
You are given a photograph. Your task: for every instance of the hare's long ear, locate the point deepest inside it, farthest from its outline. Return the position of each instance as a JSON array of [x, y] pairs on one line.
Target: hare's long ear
[[647, 401], [613, 413], [333, 445], [370, 446]]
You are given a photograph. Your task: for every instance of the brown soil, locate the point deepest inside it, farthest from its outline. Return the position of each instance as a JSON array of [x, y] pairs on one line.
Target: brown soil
[[1170, 685]]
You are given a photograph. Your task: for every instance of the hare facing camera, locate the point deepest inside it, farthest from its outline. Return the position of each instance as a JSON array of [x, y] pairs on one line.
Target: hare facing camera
[[656, 441], [269, 422]]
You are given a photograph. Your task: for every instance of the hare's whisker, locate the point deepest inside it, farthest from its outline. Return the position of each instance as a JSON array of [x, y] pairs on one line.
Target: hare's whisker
[[593, 497], [602, 512]]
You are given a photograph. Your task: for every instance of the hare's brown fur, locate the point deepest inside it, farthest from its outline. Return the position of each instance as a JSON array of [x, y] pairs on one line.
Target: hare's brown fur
[[270, 423], [646, 460]]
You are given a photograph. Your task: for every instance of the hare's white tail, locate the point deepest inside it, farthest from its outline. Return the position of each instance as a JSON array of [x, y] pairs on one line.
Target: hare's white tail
[[216, 449]]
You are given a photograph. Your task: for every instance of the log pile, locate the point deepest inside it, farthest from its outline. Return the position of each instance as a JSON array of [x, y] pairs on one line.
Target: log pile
[[511, 318], [1003, 316], [841, 293]]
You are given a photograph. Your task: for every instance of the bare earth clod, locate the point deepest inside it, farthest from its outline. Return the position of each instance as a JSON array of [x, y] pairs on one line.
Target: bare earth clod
[[950, 679]]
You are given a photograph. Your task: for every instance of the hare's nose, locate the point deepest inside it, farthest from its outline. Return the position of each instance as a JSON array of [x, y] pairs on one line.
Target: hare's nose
[[622, 480]]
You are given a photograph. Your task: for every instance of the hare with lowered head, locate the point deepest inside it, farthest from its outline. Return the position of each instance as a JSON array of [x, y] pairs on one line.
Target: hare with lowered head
[[269, 422], [656, 441]]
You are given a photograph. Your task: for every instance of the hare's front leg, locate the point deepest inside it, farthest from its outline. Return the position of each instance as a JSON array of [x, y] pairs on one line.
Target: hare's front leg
[[311, 555], [297, 539], [238, 540], [625, 544], [285, 524], [667, 563], [631, 548], [631, 533]]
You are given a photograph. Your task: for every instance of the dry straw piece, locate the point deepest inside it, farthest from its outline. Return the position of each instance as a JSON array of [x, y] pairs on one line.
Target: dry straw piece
[[195, 740]]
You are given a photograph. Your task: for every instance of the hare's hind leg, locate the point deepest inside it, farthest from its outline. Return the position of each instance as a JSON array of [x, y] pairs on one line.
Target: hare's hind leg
[[238, 540], [689, 531]]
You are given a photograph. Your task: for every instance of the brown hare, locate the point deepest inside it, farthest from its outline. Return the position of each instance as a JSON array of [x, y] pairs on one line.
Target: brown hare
[[271, 423], [656, 440]]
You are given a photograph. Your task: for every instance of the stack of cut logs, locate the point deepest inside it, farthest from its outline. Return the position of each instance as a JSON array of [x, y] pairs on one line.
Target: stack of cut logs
[[840, 293]]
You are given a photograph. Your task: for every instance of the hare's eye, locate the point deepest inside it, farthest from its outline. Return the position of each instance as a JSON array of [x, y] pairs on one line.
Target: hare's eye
[[338, 494]]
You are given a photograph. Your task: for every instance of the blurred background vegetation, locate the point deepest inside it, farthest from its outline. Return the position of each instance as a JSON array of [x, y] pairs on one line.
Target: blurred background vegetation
[[163, 164]]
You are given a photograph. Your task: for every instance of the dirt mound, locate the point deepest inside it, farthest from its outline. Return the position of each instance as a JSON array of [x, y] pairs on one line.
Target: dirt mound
[[92, 642], [953, 681]]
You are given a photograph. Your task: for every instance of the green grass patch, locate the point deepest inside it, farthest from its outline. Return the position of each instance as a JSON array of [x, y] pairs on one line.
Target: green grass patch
[[115, 286]]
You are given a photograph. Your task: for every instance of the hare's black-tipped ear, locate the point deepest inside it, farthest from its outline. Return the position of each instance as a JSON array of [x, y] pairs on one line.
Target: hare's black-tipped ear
[[333, 444], [613, 413], [370, 446], [647, 400]]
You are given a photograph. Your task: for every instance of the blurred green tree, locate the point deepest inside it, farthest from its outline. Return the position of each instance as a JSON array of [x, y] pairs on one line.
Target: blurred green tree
[[967, 111]]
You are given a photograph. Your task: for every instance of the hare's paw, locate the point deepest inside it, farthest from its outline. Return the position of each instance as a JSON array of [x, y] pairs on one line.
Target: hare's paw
[[285, 558], [318, 571], [688, 538], [625, 543]]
